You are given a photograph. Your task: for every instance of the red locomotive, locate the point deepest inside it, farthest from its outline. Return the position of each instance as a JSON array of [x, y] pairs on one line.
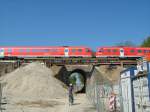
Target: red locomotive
[[123, 52], [74, 51]]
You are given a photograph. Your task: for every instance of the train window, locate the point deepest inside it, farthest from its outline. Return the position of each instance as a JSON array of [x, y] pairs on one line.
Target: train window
[[55, 50], [145, 51], [73, 50], [34, 50], [21, 50], [28, 50], [100, 50], [66, 50], [148, 51], [79, 50], [139, 51], [39, 50], [51, 50], [132, 51], [108, 50], [115, 50], [1, 50], [121, 50], [46, 50], [9, 50]]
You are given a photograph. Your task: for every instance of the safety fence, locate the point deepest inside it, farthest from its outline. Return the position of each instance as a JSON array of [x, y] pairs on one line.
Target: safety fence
[[104, 93], [0, 97], [105, 96]]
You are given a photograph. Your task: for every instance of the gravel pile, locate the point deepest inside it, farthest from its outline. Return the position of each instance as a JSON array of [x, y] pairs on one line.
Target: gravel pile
[[32, 82]]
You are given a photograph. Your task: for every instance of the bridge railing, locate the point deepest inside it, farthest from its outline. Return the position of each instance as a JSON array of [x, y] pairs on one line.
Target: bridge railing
[[75, 61]]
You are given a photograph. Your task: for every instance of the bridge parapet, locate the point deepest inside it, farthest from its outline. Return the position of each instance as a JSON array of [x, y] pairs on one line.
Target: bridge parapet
[[86, 68]]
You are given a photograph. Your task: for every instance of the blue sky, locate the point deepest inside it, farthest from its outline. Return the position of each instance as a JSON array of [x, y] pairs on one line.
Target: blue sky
[[91, 23]]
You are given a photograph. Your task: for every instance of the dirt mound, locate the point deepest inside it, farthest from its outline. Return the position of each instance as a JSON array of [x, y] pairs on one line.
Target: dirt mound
[[32, 82]]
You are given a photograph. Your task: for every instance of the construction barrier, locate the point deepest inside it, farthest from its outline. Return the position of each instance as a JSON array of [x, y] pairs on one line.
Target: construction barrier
[[104, 94], [131, 93]]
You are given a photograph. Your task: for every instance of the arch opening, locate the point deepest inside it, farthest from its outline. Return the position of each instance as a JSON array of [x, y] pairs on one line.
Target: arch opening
[[78, 78]]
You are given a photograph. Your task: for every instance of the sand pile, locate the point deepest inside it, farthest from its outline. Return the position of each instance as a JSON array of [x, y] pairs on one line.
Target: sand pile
[[56, 69], [32, 82]]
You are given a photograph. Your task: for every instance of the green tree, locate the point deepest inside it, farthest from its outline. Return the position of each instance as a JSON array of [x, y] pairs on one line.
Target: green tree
[[146, 42]]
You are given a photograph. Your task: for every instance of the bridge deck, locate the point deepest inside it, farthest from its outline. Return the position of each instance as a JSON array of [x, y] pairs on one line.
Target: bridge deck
[[74, 61]]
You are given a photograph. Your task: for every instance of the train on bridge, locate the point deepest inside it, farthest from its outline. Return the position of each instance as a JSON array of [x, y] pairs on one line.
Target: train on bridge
[[73, 51]]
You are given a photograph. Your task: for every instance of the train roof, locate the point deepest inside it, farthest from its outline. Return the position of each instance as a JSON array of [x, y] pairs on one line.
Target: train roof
[[121, 47], [43, 46]]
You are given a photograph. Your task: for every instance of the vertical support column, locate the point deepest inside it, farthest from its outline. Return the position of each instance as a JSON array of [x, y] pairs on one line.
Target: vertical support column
[[0, 97], [97, 97], [121, 64], [18, 63]]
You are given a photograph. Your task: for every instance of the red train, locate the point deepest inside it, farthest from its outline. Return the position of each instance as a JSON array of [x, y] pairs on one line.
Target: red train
[[123, 52], [74, 51]]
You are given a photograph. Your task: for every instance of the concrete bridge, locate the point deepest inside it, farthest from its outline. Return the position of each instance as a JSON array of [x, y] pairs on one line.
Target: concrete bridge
[[111, 72]]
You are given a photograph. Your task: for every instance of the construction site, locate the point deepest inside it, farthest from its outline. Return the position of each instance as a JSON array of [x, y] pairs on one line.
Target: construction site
[[74, 56], [39, 87], [36, 88]]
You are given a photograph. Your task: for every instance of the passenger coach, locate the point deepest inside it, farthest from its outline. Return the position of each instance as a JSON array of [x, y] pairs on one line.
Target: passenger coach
[[123, 52], [71, 51]]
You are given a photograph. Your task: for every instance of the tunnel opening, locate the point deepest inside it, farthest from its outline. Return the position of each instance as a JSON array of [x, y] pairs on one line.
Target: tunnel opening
[[78, 78]]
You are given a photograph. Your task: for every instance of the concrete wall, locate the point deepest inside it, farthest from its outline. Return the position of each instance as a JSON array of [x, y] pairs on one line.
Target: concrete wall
[[105, 73], [7, 68]]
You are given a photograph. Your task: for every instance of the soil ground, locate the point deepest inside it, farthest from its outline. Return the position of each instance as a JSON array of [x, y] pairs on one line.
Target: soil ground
[[81, 104]]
